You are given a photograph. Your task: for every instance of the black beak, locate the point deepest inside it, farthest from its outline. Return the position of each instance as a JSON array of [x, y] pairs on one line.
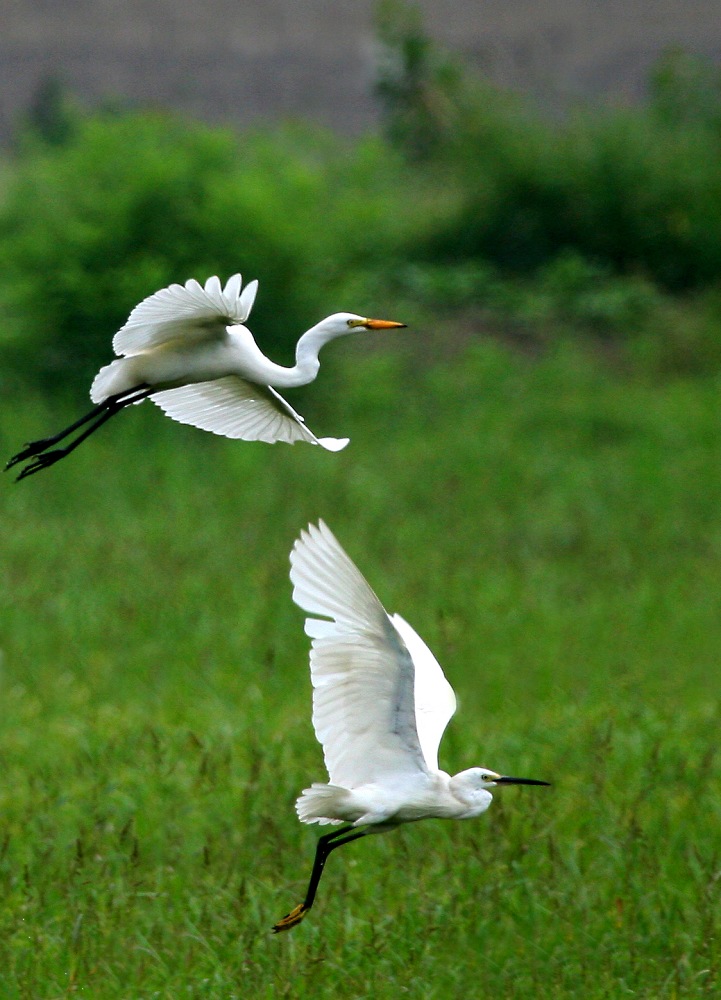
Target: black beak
[[520, 781]]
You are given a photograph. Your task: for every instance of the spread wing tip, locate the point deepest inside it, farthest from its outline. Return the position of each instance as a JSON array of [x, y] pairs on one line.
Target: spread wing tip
[[333, 444]]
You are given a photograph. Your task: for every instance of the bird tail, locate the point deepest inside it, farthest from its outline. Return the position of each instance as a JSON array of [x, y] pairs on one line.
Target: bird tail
[[108, 381], [320, 803]]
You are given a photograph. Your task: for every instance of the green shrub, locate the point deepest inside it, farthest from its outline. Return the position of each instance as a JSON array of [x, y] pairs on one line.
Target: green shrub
[[614, 186], [580, 225], [637, 189], [133, 202]]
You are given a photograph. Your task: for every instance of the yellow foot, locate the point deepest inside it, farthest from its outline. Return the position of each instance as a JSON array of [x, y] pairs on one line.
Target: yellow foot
[[291, 919]]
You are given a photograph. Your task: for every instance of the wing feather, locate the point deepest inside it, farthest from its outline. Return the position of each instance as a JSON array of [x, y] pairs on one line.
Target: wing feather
[[236, 408], [361, 669], [188, 312], [435, 699]]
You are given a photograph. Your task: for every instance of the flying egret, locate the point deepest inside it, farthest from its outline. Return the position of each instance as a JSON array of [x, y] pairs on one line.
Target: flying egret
[[380, 705], [186, 349]]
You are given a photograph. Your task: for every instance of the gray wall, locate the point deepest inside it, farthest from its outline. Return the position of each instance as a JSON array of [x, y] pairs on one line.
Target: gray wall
[[239, 61]]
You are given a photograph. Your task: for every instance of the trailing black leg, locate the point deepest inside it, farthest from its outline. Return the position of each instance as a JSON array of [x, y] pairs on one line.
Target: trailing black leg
[[326, 844], [100, 414]]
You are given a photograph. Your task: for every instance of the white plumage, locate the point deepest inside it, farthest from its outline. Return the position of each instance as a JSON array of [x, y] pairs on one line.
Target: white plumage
[[185, 312]]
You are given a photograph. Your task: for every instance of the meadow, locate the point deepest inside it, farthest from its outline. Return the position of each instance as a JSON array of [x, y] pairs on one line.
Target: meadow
[[548, 521]]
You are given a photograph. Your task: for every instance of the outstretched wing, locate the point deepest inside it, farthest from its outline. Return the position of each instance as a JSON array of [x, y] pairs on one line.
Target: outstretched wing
[[435, 699], [235, 408], [188, 312], [361, 669]]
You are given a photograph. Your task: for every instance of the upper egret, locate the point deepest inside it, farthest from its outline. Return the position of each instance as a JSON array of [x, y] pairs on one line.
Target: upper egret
[[186, 349], [380, 706]]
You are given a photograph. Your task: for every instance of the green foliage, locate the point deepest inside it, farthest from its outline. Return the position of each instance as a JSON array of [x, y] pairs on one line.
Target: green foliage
[[132, 202], [637, 189], [614, 186], [605, 223], [103, 220], [552, 530]]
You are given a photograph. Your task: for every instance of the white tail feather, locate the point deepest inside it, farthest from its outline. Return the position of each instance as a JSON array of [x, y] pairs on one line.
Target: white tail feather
[[320, 803], [108, 381]]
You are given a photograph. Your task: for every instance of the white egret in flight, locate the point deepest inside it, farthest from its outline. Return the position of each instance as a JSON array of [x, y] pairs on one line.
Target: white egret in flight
[[186, 348], [380, 706]]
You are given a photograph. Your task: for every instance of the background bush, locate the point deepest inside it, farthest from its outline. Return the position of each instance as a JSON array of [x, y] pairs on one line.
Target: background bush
[[599, 223], [132, 202]]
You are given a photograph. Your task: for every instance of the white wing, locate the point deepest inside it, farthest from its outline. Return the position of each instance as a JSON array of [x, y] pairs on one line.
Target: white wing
[[435, 699], [235, 408], [362, 672], [188, 312]]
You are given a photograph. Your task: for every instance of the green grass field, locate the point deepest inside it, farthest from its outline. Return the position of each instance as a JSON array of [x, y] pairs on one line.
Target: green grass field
[[551, 527]]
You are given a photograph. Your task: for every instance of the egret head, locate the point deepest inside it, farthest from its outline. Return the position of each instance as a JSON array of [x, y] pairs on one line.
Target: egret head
[[340, 324], [474, 779], [473, 786]]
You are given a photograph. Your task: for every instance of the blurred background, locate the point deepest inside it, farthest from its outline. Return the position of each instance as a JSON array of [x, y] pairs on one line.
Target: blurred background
[[533, 481], [239, 63], [437, 153]]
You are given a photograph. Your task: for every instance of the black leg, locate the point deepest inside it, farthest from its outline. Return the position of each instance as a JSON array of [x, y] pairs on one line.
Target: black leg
[[326, 844], [42, 458], [35, 447]]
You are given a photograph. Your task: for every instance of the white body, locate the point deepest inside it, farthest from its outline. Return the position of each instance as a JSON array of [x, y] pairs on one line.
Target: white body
[[380, 703], [189, 342]]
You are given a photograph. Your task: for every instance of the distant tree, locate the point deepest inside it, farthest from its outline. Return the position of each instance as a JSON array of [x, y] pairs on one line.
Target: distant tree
[[51, 115], [419, 86], [685, 89]]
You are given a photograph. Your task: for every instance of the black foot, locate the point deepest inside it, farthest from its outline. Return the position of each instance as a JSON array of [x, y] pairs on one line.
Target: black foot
[[42, 461], [31, 448]]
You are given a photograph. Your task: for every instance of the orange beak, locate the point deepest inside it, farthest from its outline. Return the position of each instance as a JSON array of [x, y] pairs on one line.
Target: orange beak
[[382, 324]]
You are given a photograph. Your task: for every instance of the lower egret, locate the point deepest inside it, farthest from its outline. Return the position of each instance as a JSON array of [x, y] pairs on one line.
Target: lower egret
[[380, 705], [186, 349]]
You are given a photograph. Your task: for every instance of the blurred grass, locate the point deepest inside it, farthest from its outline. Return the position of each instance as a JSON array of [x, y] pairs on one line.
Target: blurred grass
[[550, 525]]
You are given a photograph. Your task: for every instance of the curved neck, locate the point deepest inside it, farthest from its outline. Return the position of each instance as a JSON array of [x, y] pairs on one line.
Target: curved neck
[[255, 365], [307, 350]]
